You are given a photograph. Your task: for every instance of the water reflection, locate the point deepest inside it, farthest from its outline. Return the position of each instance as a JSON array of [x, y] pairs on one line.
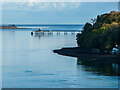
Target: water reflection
[[53, 33], [100, 67], [42, 35]]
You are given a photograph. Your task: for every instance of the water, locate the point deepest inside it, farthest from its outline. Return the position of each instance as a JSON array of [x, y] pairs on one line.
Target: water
[[52, 26], [28, 62]]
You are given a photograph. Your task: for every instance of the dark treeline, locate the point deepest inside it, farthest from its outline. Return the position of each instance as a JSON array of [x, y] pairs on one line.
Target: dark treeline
[[104, 34]]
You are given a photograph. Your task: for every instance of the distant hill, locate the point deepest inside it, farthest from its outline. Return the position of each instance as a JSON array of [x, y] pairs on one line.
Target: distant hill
[[104, 34]]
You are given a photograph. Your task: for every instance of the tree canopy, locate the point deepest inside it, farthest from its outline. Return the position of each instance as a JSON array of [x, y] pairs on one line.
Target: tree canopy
[[103, 34]]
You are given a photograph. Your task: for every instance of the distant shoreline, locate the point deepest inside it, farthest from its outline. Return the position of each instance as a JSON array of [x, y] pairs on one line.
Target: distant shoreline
[[8, 27], [29, 26], [11, 27]]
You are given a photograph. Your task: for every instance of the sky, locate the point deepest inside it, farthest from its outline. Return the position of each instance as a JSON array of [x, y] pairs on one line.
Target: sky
[[34, 12], [59, 0]]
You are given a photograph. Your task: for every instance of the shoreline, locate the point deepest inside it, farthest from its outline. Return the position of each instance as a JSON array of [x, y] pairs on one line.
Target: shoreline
[[8, 27], [86, 55], [11, 27]]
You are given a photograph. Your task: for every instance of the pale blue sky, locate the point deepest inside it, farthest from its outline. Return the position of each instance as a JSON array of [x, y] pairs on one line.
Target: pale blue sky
[[54, 12]]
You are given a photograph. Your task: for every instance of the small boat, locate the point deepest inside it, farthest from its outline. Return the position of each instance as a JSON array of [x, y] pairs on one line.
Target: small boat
[[38, 32], [41, 32]]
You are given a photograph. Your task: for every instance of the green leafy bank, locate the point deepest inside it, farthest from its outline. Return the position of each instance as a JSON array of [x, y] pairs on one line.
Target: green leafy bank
[[104, 34]]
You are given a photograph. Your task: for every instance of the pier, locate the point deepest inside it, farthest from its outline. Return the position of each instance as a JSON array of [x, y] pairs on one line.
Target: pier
[[56, 31]]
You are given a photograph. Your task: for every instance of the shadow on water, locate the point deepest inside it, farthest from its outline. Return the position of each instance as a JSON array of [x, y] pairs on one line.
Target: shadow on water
[[100, 67]]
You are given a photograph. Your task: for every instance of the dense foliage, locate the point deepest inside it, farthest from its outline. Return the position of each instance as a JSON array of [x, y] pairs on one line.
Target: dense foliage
[[103, 34]]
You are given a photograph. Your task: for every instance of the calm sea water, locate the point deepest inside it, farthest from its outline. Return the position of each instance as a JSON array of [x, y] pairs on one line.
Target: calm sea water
[[28, 62], [52, 26]]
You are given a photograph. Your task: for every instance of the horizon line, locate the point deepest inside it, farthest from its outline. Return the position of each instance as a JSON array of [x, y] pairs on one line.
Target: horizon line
[[42, 24]]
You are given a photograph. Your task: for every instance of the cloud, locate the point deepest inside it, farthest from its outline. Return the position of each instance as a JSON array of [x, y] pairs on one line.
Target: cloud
[[54, 5], [77, 4], [60, 0], [35, 5], [33, 2], [38, 6], [62, 5], [43, 5]]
